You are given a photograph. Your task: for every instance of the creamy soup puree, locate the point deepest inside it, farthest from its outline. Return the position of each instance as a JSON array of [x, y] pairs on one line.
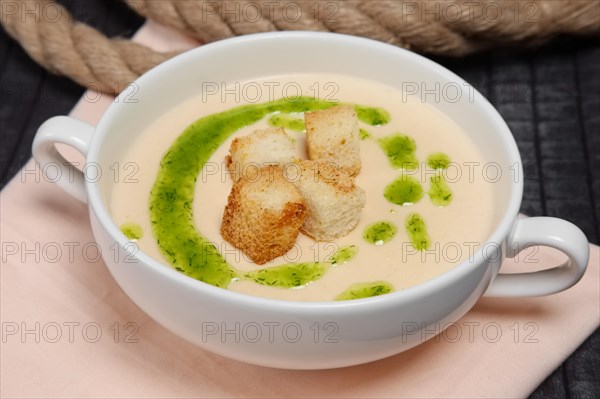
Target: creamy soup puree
[[428, 207]]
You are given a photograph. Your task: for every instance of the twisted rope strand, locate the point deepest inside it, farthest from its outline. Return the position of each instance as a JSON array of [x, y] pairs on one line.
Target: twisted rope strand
[[440, 27]]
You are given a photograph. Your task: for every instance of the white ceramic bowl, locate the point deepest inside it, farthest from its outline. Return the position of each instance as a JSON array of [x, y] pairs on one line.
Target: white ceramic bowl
[[303, 335]]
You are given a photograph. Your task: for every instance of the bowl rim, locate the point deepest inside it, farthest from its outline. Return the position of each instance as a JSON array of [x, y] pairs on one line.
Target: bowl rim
[[498, 235]]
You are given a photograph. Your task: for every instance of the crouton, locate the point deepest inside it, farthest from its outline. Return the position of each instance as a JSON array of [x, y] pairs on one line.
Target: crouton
[[333, 201], [260, 148], [263, 215], [332, 135]]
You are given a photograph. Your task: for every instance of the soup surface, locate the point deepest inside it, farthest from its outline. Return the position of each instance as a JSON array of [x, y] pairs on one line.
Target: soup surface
[[429, 205]]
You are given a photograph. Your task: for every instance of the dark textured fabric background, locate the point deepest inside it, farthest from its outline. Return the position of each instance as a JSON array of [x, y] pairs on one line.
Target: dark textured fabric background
[[550, 98]]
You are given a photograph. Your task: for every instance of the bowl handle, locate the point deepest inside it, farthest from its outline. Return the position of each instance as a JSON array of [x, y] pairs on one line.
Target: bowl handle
[[69, 131], [551, 232]]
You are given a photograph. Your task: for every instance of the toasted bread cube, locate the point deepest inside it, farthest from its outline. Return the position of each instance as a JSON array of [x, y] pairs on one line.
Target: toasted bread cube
[[263, 215], [333, 201], [262, 147], [332, 135]]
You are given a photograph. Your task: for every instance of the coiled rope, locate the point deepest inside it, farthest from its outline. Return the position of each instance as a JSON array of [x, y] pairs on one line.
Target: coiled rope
[[53, 39]]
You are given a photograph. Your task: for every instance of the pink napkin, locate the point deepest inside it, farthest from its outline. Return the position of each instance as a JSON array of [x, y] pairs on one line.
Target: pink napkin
[[69, 331]]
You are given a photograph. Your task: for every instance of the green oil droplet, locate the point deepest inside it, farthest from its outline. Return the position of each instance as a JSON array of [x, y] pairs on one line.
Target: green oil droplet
[[372, 116], [438, 160], [299, 274], [417, 232], [344, 255], [380, 232], [287, 121], [364, 134], [365, 290], [133, 231], [289, 275], [400, 150], [439, 192], [405, 190]]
